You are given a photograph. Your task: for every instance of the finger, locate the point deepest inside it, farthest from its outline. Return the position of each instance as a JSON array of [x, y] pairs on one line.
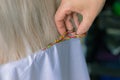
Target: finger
[[82, 35], [85, 23], [76, 21], [68, 23], [59, 19]]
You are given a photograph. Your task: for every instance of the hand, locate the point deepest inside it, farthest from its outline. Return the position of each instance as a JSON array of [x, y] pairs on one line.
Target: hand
[[68, 9]]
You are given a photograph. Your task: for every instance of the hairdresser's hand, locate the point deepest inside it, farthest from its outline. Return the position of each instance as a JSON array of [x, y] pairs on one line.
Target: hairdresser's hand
[[89, 9]]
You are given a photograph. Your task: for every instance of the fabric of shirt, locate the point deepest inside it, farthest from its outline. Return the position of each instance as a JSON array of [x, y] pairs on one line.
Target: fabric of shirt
[[62, 61]]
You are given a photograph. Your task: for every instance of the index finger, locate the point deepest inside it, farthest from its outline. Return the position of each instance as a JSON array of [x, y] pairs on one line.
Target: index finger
[[60, 19]]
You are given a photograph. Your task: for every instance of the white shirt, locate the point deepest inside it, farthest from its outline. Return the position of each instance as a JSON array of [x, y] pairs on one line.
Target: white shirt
[[63, 61]]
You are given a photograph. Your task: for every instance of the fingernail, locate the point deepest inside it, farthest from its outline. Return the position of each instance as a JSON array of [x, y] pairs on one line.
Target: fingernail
[[77, 32]]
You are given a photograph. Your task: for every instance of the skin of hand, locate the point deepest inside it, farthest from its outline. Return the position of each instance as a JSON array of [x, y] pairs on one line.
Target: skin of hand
[[69, 9]]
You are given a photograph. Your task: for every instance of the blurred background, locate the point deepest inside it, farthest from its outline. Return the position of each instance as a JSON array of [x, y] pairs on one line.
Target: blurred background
[[102, 44]]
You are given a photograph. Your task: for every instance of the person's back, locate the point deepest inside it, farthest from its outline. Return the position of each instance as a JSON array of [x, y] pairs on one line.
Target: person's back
[[27, 26]]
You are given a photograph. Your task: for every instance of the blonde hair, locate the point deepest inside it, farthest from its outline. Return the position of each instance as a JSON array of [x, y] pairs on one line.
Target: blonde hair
[[26, 26]]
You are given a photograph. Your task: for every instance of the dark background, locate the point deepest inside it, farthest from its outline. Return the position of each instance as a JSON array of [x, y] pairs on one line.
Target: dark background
[[103, 44]]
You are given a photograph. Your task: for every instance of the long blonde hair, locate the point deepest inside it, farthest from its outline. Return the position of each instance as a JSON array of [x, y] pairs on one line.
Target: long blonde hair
[[25, 27]]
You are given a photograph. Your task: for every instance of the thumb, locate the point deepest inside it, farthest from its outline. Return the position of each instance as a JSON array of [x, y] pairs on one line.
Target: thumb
[[85, 23]]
